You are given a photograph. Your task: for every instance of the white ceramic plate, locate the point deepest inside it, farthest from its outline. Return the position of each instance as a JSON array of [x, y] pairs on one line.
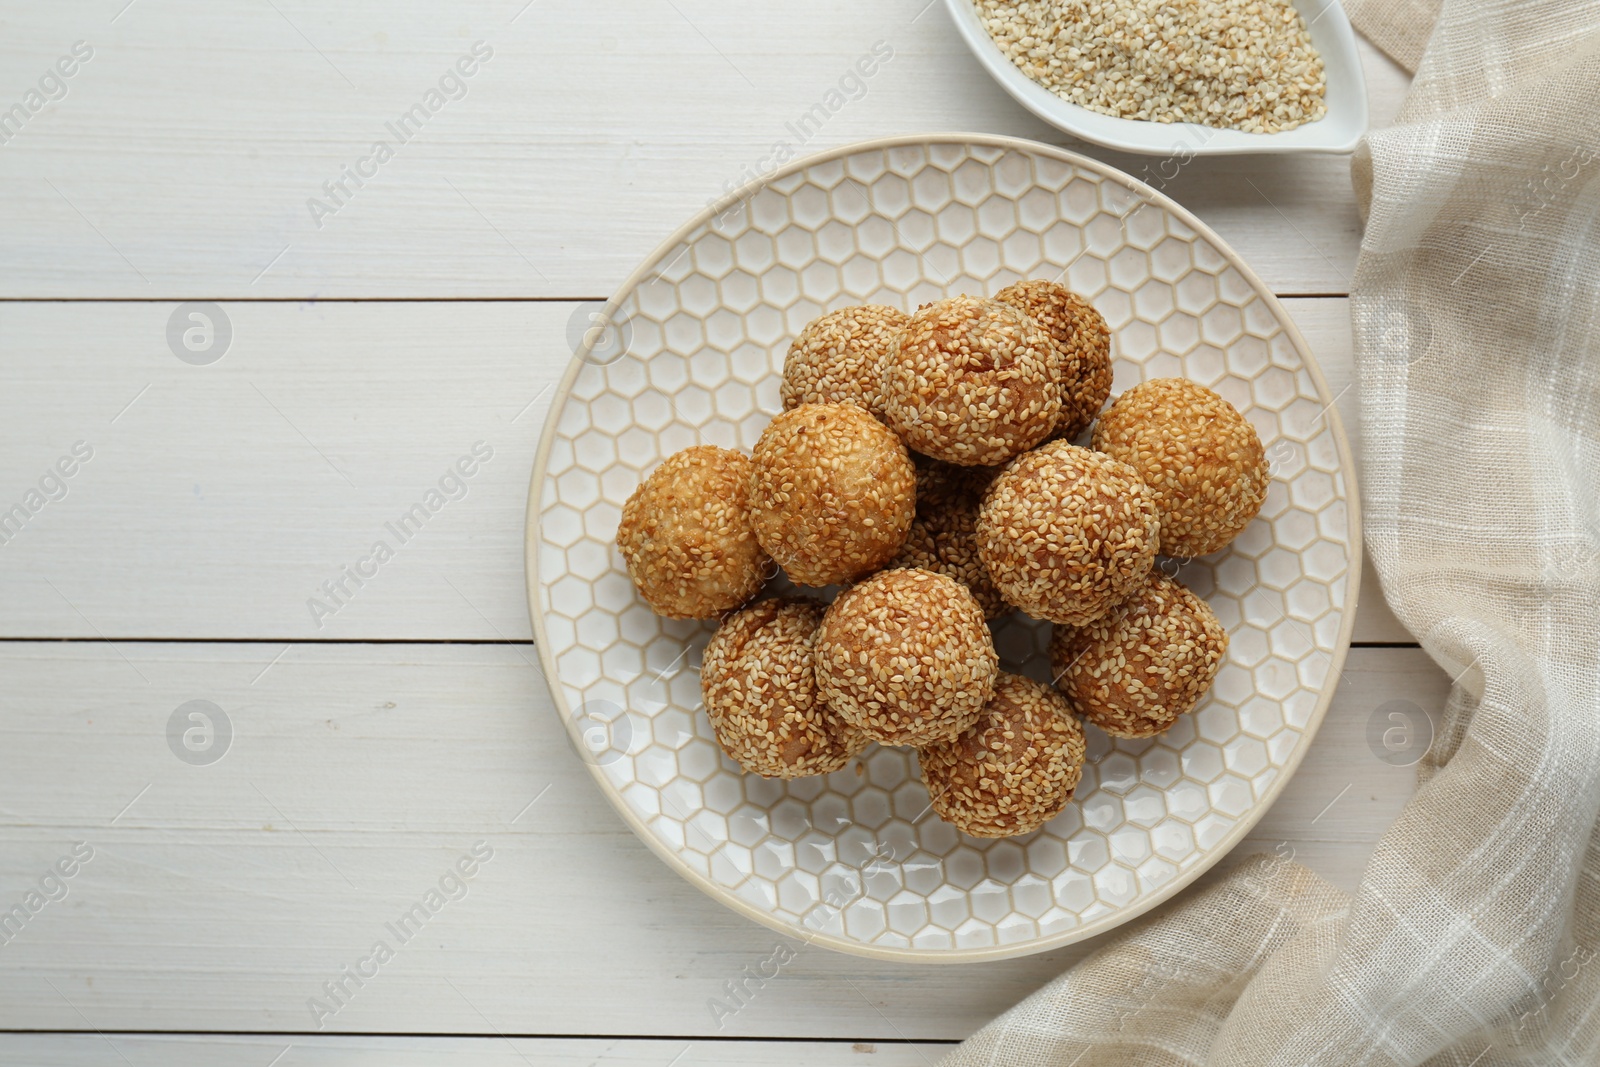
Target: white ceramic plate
[[856, 860], [1337, 131]]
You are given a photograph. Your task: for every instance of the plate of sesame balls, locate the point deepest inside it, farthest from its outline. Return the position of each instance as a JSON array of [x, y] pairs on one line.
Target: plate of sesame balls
[[942, 549]]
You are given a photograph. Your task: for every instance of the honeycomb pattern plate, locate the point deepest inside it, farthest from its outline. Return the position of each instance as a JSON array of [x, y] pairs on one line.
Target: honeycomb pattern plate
[[691, 352]]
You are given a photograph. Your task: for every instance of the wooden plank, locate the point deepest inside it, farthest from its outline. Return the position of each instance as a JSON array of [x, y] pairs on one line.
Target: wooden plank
[[96, 1050], [222, 897], [220, 497], [184, 157]]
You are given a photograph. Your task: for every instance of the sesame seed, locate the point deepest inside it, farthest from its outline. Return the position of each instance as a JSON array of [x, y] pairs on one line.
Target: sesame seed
[[971, 382], [818, 472], [1248, 67], [1136, 670], [686, 535], [1014, 769], [1202, 460], [838, 359], [760, 690], [1083, 349], [1066, 532], [943, 535], [930, 662]]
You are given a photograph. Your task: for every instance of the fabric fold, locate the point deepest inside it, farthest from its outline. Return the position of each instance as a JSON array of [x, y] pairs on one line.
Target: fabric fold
[[1159, 994]]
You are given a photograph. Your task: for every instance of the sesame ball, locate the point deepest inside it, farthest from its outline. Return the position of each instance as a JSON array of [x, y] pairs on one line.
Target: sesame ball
[[1066, 533], [1133, 672], [838, 359], [761, 693], [1201, 458], [686, 536], [971, 382], [906, 656], [1083, 343], [1014, 769], [943, 535], [832, 494]]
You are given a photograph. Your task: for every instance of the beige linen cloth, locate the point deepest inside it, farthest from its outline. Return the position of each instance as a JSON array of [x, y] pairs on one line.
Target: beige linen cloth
[[1473, 936]]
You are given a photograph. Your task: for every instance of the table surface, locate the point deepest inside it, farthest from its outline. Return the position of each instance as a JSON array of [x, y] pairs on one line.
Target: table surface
[[374, 340]]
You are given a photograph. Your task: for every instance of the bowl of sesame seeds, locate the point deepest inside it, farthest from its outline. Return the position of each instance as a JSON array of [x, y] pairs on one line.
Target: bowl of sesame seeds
[[1208, 77], [807, 825]]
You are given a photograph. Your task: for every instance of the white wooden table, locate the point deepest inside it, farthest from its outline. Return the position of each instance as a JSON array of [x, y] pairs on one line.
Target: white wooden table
[[370, 346]]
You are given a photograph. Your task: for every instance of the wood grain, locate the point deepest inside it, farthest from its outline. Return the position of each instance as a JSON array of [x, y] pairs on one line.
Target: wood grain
[[181, 162], [221, 897], [97, 1050], [220, 497]]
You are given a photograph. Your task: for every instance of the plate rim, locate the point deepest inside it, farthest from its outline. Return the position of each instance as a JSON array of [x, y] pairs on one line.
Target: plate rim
[[532, 533]]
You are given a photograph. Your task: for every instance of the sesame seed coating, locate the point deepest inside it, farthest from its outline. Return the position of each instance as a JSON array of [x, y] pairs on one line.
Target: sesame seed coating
[[838, 359], [760, 690], [943, 536], [971, 382], [906, 656], [1083, 343], [1067, 532], [1201, 458], [1014, 769], [832, 493], [946, 491], [686, 537], [1133, 672]]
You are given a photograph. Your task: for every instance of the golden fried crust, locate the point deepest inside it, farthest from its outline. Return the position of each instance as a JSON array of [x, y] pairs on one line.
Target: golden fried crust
[[1199, 455], [1066, 533], [947, 495], [686, 536], [1014, 769], [838, 359], [760, 690], [1133, 672], [906, 656], [943, 536], [971, 382], [832, 493], [1083, 343]]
